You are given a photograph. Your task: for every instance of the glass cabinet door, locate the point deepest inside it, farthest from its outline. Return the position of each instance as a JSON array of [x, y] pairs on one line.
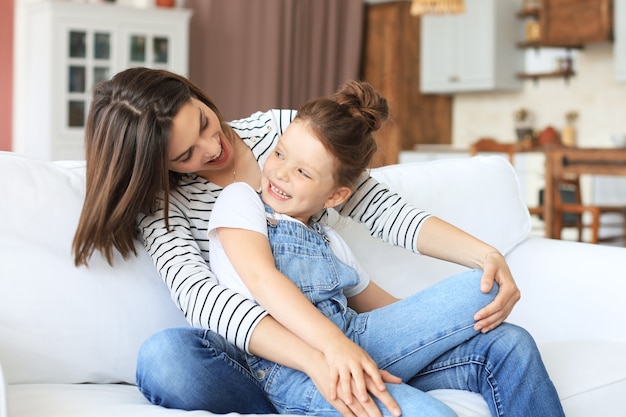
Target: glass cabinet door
[[89, 60], [148, 50]]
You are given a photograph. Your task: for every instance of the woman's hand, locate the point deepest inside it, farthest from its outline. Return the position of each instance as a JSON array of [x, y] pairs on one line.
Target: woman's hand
[[495, 269], [349, 365], [357, 406], [370, 408], [442, 240], [293, 352]]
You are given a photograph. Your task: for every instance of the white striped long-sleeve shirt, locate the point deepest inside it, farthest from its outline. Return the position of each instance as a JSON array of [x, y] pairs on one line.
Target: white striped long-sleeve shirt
[[182, 255]]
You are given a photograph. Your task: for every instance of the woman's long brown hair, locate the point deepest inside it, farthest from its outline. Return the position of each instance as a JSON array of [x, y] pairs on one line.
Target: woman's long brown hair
[[126, 146]]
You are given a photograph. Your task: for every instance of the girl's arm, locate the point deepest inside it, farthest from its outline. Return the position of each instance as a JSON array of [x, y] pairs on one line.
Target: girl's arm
[[371, 298], [273, 342], [250, 254], [179, 256]]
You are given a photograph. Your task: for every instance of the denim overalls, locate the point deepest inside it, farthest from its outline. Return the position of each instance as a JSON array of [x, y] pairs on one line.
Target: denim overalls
[[392, 335]]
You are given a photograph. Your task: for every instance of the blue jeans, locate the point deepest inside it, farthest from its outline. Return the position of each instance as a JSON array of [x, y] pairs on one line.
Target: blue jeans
[[194, 369], [430, 345]]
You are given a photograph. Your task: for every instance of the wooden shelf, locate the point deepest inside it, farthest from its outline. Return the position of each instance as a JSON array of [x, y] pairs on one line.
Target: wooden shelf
[[539, 44], [528, 13], [553, 74]]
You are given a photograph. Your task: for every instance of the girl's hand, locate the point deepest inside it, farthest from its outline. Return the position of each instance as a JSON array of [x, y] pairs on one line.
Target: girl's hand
[[496, 270]]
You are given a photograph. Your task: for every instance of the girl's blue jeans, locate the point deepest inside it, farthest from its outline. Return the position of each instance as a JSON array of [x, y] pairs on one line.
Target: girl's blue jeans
[[191, 369]]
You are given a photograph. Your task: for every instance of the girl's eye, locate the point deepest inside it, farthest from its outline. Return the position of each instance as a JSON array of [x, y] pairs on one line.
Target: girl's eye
[[304, 174], [278, 154]]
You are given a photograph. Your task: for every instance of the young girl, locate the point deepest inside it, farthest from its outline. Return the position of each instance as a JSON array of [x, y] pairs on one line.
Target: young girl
[[316, 165]]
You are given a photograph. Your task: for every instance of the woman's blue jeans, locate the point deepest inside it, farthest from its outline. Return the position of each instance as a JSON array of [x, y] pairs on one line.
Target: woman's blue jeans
[[192, 369]]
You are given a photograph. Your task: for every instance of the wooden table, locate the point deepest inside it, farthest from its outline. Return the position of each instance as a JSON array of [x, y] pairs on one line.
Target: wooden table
[[562, 161]]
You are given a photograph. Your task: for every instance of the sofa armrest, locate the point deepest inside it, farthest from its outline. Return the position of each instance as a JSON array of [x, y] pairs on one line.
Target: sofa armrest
[[3, 395], [570, 290]]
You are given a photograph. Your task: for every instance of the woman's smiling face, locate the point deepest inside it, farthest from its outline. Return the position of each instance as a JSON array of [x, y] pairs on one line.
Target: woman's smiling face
[[298, 176], [197, 143]]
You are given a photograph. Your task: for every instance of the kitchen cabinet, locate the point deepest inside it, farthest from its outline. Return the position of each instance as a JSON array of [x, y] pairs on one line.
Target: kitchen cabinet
[[73, 45], [619, 47], [571, 23], [473, 51]]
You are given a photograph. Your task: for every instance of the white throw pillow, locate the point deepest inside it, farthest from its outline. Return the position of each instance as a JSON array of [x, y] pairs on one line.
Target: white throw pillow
[[59, 323]]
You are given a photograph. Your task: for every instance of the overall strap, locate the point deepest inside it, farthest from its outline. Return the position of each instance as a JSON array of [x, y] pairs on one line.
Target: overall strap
[[269, 214]]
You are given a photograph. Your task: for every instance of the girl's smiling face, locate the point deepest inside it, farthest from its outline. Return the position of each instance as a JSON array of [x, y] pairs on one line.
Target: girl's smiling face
[[298, 176]]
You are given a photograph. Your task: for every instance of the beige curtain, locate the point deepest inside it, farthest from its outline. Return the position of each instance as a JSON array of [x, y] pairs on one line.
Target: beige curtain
[[251, 55]]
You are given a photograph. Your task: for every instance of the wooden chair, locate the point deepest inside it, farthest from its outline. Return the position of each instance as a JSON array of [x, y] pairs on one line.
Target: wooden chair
[[572, 210], [569, 206], [492, 145]]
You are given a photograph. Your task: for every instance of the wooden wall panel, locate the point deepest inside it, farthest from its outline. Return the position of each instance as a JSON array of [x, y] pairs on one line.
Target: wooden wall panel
[[391, 63]]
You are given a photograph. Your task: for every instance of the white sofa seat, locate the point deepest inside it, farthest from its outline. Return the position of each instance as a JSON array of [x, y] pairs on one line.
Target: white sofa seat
[[69, 336]]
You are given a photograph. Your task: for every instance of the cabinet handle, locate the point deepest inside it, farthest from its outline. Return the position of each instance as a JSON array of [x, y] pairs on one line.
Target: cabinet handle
[[454, 79]]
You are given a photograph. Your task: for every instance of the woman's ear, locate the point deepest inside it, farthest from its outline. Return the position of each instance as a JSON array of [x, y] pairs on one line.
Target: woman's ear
[[338, 196]]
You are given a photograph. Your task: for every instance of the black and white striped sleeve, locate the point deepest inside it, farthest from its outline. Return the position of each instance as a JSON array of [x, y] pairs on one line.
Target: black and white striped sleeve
[[385, 214], [193, 286]]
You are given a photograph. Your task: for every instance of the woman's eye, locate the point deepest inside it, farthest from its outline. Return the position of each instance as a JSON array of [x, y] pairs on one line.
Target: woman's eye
[[205, 123], [187, 157]]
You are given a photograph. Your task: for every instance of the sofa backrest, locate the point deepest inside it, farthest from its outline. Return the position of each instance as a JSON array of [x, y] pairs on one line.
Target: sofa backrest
[[59, 323], [480, 195]]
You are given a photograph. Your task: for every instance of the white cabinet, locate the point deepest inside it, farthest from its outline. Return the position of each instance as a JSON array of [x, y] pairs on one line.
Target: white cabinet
[[73, 45], [473, 51], [619, 33]]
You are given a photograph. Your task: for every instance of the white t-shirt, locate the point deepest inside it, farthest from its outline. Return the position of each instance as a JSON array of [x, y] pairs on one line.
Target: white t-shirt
[[239, 206]]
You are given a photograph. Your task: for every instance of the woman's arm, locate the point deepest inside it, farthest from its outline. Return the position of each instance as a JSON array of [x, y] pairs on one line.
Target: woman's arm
[[391, 218], [442, 240], [181, 257]]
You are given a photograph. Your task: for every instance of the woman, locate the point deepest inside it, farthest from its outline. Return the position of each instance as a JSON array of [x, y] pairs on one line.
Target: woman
[[158, 154]]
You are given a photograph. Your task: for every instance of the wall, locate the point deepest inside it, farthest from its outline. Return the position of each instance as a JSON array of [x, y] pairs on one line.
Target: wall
[[6, 74], [593, 93], [20, 80], [391, 63]]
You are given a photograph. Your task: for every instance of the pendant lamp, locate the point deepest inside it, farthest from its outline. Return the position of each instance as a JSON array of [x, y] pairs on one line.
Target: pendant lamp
[[420, 7]]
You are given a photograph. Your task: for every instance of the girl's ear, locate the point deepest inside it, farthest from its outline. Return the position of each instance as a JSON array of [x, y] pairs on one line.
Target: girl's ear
[[340, 195]]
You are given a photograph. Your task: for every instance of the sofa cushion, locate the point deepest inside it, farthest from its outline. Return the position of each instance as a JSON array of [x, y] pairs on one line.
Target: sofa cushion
[[117, 400], [59, 323], [589, 375], [486, 189]]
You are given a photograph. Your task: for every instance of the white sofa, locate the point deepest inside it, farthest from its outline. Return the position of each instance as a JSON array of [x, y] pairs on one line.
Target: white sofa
[[69, 336]]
